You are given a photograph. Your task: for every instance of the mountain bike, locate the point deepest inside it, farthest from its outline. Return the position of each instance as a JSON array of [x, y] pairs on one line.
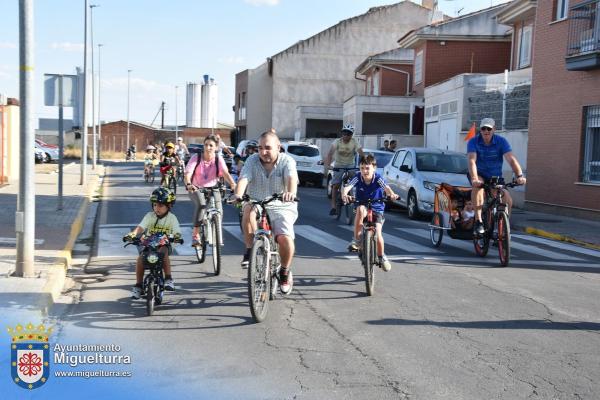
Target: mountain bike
[[496, 223], [368, 243], [265, 263], [153, 286], [210, 230], [340, 207]]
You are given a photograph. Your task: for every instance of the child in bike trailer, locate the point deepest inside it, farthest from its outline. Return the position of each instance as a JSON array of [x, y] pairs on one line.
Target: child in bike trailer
[[169, 161], [149, 158], [369, 185], [159, 220]]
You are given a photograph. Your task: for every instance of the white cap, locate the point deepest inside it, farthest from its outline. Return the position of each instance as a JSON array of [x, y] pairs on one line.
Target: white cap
[[489, 122], [180, 138]]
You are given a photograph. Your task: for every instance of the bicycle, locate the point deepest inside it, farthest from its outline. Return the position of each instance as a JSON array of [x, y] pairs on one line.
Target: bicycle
[[368, 247], [340, 207], [168, 179], [496, 223], [149, 174], [210, 230], [153, 286], [265, 263]]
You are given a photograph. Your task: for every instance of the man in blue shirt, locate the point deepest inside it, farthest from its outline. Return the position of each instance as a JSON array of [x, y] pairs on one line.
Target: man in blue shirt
[[486, 152]]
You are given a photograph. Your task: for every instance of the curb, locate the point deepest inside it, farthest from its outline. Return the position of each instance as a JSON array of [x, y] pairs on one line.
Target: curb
[[559, 237], [58, 272]]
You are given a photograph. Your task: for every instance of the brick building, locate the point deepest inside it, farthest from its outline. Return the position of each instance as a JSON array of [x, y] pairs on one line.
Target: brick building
[[564, 125], [472, 43], [114, 135]]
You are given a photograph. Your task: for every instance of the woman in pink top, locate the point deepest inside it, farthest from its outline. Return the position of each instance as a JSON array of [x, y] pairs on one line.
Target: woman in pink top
[[203, 171]]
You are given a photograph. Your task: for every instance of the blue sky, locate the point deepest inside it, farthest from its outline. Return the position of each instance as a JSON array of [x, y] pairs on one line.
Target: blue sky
[[169, 43]]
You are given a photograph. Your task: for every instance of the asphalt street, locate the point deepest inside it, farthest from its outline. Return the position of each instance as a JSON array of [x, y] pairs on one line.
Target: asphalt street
[[443, 323]]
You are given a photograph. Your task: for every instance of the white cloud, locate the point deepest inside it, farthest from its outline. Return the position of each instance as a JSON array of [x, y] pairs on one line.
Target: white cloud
[[7, 45], [259, 3], [67, 46], [231, 60]]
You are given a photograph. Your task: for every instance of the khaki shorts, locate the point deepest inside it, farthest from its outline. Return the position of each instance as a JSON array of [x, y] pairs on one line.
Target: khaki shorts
[[282, 220]]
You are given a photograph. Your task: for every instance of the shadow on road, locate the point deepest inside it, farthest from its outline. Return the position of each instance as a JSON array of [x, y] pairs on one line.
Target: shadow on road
[[504, 324]]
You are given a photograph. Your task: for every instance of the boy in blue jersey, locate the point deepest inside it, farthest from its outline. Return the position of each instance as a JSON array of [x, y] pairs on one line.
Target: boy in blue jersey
[[369, 185]]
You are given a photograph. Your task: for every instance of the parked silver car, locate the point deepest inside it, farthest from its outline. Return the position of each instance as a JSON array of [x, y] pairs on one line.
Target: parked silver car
[[414, 172], [51, 152]]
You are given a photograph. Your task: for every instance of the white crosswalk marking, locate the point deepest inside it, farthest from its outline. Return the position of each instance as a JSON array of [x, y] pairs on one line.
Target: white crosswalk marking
[[322, 238], [559, 245], [400, 243], [446, 241], [517, 246]]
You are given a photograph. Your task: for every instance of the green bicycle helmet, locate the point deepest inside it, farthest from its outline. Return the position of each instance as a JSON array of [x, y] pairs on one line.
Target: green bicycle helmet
[[162, 195]]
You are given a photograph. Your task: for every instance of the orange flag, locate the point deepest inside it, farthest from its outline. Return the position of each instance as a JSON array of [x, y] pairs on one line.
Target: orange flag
[[471, 133]]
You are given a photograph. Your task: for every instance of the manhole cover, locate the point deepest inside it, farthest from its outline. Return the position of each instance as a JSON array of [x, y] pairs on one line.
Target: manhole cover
[[552, 221]]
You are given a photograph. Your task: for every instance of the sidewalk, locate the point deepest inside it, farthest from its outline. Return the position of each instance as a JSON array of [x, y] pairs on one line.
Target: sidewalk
[[55, 234]]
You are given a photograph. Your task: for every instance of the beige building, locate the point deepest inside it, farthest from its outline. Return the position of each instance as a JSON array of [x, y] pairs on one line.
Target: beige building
[[300, 90]]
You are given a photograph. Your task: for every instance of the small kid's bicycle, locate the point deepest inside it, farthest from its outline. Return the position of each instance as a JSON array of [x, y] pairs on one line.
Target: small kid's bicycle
[[153, 286]]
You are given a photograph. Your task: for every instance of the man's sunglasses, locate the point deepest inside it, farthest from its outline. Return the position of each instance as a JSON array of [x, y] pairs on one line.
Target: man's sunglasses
[[486, 128]]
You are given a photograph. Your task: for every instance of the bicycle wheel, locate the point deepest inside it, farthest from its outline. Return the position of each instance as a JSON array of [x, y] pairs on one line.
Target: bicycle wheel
[[259, 281], [201, 248], [503, 239], [150, 287], [482, 243], [338, 207], [349, 214], [146, 176], [369, 259], [436, 234], [216, 244], [152, 175]]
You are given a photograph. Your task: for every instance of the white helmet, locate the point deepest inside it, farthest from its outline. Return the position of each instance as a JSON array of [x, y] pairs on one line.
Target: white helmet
[[180, 139], [348, 128], [150, 147]]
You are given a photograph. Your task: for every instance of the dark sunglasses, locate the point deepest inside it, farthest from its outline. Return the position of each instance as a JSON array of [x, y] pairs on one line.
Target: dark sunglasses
[[486, 128]]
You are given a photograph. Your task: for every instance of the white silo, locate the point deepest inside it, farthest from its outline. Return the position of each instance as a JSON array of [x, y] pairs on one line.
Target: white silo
[[209, 109], [193, 104]]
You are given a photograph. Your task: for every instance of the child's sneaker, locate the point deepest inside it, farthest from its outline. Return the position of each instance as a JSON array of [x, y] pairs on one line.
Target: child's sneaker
[[353, 246], [136, 292], [385, 263], [169, 285]]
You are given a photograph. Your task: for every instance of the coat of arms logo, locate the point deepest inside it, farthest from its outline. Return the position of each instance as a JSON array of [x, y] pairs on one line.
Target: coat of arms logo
[[30, 355]]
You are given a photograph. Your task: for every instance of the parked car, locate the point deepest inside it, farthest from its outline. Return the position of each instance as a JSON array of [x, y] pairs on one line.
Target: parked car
[[382, 157], [413, 174], [44, 144], [308, 162], [51, 152], [40, 156]]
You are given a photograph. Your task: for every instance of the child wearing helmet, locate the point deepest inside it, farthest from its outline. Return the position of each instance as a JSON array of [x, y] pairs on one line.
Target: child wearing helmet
[[169, 161], [159, 220], [149, 158]]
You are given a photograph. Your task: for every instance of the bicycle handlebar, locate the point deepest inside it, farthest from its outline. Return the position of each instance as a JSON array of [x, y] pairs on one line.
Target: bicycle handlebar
[[246, 197], [336, 169]]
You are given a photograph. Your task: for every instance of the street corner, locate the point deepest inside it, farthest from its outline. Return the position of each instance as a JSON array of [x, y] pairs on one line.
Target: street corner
[[560, 237]]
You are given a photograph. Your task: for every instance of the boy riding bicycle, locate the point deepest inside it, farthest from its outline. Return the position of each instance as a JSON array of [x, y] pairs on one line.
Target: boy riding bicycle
[[369, 186], [159, 220], [169, 161]]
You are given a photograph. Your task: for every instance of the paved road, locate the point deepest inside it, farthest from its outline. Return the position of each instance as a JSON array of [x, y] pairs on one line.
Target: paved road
[[443, 324]]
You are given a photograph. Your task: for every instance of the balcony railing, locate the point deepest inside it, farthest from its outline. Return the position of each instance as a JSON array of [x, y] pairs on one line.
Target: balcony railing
[[583, 47]]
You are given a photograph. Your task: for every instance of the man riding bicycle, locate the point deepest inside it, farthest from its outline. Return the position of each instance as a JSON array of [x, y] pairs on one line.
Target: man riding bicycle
[[264, 174], [181, 149], [343, 150], [485, 153]]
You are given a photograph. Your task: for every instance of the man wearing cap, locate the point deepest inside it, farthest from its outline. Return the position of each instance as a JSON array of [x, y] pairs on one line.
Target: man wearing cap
[[343, 150], [486, 152], [181, 149]]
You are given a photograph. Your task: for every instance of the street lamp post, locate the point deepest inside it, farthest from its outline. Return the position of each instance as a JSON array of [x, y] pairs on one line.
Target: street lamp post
[[99, 87], [94, 136], [128, 83], [176, 125], [83, 172]]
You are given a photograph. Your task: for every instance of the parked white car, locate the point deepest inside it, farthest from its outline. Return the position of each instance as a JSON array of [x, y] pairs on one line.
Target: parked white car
[[308, 161], [51, 152], [414, 172]]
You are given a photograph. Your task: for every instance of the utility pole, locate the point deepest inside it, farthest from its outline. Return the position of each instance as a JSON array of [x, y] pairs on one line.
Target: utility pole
[[176, 128], [99, 91], [128, 81], [94, 134], [25, 215], [162, 116], [83, 173]]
